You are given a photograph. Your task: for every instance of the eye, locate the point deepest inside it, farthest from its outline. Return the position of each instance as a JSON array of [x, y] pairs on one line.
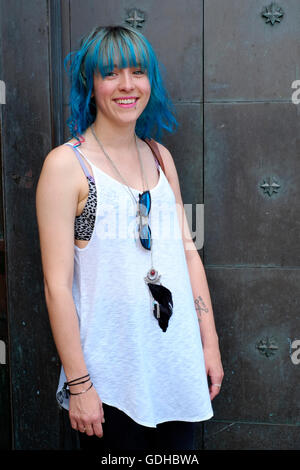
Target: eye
[[109, 74], [139, 72]]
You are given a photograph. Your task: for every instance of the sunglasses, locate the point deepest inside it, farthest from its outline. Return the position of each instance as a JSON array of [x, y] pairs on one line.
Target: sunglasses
[[144, 207]]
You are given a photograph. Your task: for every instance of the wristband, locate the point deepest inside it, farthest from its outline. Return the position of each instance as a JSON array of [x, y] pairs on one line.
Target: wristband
[[79, 378], [78, 383], [79, 393]]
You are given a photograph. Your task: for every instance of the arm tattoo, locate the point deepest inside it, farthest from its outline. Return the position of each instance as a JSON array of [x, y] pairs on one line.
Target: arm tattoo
[[200, 306]]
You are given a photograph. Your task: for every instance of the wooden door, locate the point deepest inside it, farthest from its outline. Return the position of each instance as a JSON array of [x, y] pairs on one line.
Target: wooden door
[[229, 71]]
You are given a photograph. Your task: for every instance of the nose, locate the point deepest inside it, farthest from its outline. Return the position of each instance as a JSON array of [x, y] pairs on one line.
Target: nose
[[126, 80]]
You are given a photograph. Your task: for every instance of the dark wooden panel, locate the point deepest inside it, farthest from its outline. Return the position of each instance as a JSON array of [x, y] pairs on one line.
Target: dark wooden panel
[[257, 318], [56, 68], [26, 135], [5, 411], [187, 150], [5, 408], [244, 145], [246, 58], [249, 229], [65, 49], [250, 436], [1, 184], [186, 147]]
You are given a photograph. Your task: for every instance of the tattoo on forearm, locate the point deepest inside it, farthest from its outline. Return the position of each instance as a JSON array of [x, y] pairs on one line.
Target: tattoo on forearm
[[200, 307]]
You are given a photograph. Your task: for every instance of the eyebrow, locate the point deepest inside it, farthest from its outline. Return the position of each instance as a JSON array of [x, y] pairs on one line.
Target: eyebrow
[[115, 66], [137, 65]]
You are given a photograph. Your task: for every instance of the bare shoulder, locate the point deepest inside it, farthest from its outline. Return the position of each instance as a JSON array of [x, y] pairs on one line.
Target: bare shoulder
[[168, 161], [165, 153], [60, 175], [60, 167], [60, 158]]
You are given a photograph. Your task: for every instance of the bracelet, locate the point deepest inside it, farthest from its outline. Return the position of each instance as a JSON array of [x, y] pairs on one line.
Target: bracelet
[[74, 380], [78, 383], [79, 393]]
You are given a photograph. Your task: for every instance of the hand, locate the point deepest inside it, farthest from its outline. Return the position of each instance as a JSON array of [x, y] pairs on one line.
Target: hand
[[214, 369], [86, 412]]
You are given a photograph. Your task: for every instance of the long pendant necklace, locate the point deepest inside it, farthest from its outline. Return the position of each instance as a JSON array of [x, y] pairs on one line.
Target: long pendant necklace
[[161, 302]]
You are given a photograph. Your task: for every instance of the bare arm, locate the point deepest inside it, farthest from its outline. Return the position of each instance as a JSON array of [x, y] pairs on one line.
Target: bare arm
[[199, 284], [56, 202], [206, 321]]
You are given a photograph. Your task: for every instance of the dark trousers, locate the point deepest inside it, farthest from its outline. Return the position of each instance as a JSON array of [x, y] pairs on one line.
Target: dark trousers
[[120, 432]]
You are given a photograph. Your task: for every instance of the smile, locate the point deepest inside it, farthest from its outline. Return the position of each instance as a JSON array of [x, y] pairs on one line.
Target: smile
[[126, 102]]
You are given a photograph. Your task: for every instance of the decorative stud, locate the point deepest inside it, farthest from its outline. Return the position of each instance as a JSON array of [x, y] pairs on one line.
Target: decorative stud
[[270, 186], [135, 18], [152, 276], [272, 13], [267, 346]]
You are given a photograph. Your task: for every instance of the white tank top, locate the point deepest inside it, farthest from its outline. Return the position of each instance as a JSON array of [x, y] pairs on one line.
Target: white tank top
[[151, 375]]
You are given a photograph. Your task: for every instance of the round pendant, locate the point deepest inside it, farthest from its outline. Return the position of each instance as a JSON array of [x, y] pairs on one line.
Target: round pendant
[[152, 276]]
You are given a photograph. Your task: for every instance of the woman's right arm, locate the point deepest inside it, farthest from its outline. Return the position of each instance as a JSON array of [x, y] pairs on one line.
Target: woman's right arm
[[56, 202]]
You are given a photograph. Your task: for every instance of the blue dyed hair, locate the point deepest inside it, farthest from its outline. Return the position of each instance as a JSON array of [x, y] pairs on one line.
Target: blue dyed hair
[[98, 52]]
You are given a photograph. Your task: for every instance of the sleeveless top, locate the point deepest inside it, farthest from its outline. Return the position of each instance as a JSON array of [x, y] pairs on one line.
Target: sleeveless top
[[151, 375], [84, 223]]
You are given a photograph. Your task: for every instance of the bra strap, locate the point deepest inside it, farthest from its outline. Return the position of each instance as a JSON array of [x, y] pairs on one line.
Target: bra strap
[[152, 144], [83, 166], [155, 150]]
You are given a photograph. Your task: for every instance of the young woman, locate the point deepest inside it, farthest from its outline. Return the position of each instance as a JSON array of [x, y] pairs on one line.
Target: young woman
[[125, 287]]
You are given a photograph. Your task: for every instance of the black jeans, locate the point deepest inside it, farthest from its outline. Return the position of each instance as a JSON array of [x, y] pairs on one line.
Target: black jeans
[[120, 432]]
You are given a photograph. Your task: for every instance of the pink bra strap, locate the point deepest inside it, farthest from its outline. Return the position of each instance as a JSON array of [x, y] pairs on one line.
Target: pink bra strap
[[83, 166]]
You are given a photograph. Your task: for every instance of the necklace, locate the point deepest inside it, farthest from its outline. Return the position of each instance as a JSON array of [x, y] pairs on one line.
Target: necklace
[[160, 296]]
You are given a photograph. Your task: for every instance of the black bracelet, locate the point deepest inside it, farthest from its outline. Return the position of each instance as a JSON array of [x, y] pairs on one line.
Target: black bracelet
[[78, 383], [79, 393], [74, 380]]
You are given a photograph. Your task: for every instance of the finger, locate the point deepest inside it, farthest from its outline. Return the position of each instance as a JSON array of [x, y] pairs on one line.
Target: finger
[[89, 430], [214, 390], [74, 424], [216, 381], [102, 414], [216, 378], [217, 385], [98, 429], [81, 427]]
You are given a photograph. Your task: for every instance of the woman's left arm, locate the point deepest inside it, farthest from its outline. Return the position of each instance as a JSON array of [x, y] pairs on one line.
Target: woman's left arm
[[199, 284]]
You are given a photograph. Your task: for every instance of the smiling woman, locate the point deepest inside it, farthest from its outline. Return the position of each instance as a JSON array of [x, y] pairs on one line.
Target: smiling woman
[[112, 93], [121, 304], [102, 52]]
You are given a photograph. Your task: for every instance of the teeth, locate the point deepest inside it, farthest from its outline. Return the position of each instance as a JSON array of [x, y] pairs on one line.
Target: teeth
[[126, 101]]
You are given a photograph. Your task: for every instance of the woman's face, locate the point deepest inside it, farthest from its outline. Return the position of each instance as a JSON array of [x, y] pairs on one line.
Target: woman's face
[[122, 95]]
